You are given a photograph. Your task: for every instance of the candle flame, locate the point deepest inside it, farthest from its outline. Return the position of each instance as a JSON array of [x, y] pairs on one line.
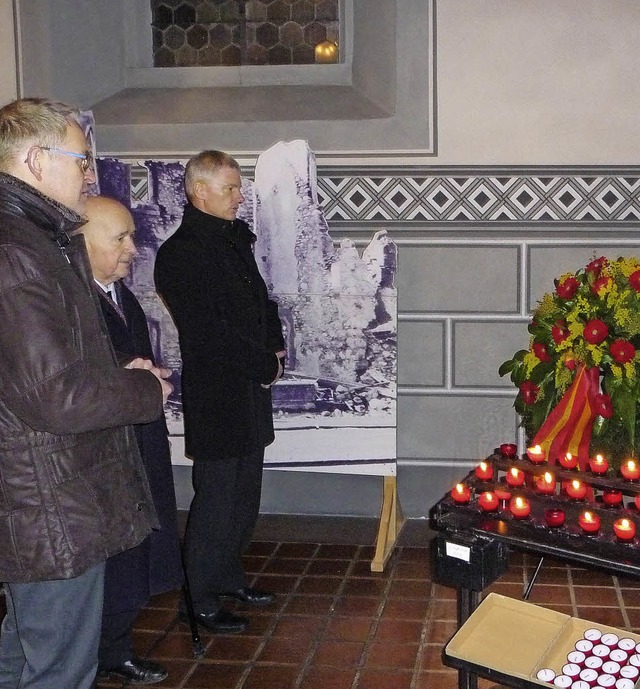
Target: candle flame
[[514, 472], [575, 484], [569, 456], [483, 466], [459, 488], [548, 478], [624, 523], [631, 465], [588, 517], [519, 502], [599, 459]]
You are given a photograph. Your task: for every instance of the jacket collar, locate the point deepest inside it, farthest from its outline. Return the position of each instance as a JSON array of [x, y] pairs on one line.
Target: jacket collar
[[21, 199], [201, 223]]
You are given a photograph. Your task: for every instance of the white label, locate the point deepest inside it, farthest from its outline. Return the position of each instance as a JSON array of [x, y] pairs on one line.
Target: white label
[[460, 552]]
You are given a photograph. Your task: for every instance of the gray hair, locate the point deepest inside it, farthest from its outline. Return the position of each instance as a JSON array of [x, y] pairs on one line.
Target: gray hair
[[205, 164], [38, 121]]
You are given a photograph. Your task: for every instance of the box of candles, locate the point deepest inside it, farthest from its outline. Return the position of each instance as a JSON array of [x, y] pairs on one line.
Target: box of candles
[[524, 645]]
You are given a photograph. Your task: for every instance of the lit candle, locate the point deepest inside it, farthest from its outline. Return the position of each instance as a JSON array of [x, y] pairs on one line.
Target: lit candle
[[554, 517], [611, 497], [326, 52], [461, 494], [545, 484], [599, 465], [484, 471], [515, 477], [568, 461], [508, 450], [630, 470], [535, 454], [488, 501], [576, 490], [624, 529], [589, 523], [520, 507]]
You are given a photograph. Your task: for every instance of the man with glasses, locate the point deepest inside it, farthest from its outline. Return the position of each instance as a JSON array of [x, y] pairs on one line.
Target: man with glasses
[[72, 487]]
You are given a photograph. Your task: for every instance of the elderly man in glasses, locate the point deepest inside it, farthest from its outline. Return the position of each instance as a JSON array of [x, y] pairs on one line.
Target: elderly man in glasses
[[73, 490]]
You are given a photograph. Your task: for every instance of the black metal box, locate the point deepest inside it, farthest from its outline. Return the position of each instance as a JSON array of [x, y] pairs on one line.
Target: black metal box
[[469, 561]]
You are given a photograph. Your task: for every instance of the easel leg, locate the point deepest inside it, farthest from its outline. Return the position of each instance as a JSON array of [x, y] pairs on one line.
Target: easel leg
[[391, 522]]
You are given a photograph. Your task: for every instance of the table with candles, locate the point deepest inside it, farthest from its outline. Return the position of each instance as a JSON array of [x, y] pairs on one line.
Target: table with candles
[[525, 503]]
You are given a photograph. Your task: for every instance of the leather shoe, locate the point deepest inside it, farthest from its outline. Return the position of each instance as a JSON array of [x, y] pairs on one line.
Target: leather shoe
[[135, 671], [248, 596], [220, 622]]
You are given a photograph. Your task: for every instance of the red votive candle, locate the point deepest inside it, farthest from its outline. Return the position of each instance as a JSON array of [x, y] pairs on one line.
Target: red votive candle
[[571, 670], [488, 501], [545, 484], [461, 494], [630, 470], [592, 634], [576, 490], [624, 529], [484, 471], [611, 497], [584, 645], [589, 523], [554, 517], [508, 450], [611, 667], [536, 454], [515, 477], [519, 507], [627, 644], [610, 640], [593, 662], [568, 461], [577, 657], [599, 465]]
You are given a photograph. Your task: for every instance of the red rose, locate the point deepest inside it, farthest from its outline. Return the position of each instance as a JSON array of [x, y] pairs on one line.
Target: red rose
[[559, 332], [634, 280], [529, 392], [622, 351], [540, 350], [596, 265], [567, 288], [598, 284], [603, 406], [595, 331]]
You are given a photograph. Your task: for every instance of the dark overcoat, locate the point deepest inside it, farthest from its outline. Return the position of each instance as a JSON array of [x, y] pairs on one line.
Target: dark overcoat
[[154, 566], [229, 332]]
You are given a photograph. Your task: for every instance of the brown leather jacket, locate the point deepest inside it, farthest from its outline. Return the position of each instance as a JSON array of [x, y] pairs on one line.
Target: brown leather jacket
[[72, 487]]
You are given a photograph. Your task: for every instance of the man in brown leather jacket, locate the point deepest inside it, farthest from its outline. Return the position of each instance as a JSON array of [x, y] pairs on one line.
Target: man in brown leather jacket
[[72, 487]]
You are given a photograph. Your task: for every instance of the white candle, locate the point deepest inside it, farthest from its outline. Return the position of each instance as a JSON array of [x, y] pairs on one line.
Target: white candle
[[571, 669], [601, 651], [610, 639], [584, 645], [619, 655], [630, 672], [563, 681], [624, 683], [577, 657], [611, 667], [626, 644], [546, 675], [594, 662], [606, 681], [592, 634]]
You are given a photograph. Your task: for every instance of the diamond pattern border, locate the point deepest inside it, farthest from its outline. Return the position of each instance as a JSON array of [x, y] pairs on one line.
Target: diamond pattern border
[[468, 198], [558, 198]]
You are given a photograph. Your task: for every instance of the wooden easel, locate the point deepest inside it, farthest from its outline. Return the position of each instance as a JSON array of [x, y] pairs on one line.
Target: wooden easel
[[390, 525]]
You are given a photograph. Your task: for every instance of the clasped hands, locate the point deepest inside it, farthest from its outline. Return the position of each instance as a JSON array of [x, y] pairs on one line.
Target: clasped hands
[[281, 354], [160, 373]]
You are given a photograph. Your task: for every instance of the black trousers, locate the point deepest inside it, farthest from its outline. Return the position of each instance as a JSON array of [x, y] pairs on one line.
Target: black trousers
[[220, 525], [116, 644]]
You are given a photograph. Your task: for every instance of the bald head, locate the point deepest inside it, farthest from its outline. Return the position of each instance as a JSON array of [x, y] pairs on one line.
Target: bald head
[[109, 238]]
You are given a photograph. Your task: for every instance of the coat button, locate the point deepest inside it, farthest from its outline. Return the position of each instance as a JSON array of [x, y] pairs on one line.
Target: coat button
[[140, 506]]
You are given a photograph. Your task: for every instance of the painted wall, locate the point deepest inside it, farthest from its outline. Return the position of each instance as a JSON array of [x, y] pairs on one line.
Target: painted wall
[[8, 77]]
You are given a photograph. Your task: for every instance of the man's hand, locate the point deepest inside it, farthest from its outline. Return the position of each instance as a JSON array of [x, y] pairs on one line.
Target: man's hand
[[281, 354], [160, 373]]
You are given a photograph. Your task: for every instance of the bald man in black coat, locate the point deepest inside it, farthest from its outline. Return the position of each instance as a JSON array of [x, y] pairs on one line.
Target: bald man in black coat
[[154, 566]]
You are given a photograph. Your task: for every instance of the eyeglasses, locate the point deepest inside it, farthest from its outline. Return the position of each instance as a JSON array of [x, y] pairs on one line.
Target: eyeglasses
[[85, 158]]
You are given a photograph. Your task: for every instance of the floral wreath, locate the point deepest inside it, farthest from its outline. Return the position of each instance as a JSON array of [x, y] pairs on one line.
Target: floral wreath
[[591, 321]]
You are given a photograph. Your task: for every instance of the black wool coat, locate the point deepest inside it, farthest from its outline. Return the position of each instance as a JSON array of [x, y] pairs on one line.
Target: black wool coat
[[155, 565], [229, 332]]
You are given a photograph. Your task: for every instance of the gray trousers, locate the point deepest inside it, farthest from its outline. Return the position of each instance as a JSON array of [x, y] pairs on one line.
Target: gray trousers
[[50, 635]]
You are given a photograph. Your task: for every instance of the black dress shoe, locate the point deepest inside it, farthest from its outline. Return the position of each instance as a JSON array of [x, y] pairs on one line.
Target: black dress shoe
[[135, 671], [220, 622], [252, 597]]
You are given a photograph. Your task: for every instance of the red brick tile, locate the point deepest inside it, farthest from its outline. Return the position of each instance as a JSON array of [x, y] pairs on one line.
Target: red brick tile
[[399, 631], [349, 628], [392, 655], [214, 676], [319, 677], [373, 678], [343, 654], [270, 677]]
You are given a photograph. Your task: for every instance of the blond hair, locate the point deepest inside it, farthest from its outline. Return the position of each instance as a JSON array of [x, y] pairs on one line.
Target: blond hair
[[206, 164], [35, 121]]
